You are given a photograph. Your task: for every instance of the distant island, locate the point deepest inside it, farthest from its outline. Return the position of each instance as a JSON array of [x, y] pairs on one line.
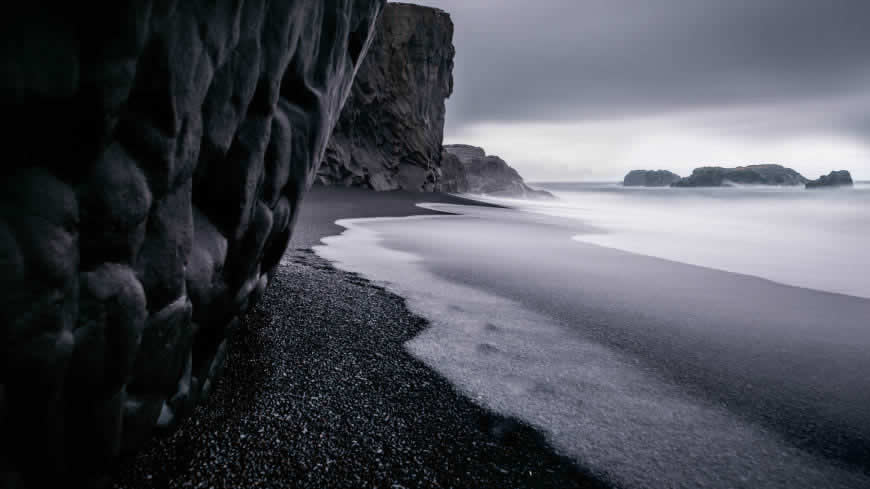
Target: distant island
[[841, 178], [717, 176], [650, 178]]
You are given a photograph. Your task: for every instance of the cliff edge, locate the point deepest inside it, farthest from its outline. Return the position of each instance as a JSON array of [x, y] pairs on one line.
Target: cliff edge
[[390, 132]]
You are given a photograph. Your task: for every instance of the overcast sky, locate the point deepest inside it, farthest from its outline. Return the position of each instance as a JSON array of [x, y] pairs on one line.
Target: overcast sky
[[588, 89]]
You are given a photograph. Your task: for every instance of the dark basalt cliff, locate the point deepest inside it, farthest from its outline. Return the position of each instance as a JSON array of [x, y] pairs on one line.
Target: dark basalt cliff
[[454, 177], [715, 176], [489, 175], [390, 132], [841, 178], [154, 156], [650, 178]]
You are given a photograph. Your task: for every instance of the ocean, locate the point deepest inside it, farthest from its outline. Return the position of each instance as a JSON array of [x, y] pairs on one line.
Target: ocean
[[816, 239], [659, 337]]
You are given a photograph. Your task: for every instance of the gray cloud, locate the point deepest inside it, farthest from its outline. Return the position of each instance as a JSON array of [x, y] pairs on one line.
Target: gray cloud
[[519, 60]]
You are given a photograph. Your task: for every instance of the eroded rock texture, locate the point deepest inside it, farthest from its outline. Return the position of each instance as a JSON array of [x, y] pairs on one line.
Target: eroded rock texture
[[453, 174], [390, 133], [154, 156]]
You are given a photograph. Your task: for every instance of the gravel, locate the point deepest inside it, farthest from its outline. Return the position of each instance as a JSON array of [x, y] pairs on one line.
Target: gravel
[[319, 391]]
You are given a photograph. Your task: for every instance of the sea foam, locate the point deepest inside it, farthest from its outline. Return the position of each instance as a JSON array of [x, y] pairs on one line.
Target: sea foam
[[598, 406]]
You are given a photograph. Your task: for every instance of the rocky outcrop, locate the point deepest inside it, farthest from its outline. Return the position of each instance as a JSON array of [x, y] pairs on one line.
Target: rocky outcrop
[[454, 178], [650, 178], [466, 153], [841, 178], [390, 132], [154, 157], [715, 176], [488, 175]]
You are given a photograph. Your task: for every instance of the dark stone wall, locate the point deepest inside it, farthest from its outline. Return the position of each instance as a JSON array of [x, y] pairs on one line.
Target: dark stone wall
[[454, 176], [390, 133], [154, 155]]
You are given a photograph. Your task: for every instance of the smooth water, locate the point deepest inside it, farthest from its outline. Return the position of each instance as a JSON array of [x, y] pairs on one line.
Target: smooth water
[[652, 374], [817, 239]]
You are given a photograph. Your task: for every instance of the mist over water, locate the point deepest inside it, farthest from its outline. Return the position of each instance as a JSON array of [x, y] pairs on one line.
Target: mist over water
[[815, 239], [650, 372]]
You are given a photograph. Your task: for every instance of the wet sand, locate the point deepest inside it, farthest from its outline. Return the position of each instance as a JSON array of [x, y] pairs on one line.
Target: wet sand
[[785, 367], [319, 391], [323, 206]]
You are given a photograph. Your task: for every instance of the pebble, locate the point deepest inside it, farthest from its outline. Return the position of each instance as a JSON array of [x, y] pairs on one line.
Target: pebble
[[286, 414]]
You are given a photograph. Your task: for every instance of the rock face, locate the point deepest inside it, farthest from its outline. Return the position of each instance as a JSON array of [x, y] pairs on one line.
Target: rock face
[[650, 178], [487, 175], [453, 174], [715, 176], [390, 132], [155, 155], [465, 152], [841, 178]]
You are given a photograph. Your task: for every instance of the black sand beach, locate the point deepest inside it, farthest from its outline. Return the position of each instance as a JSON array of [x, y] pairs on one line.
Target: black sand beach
[[319, 391], [323, 206], [723, 380]]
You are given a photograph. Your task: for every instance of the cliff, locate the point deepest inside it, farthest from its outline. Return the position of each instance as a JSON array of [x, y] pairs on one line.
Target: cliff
[[714, 176], [650, 178], [487, 174], [454, 177], [390, 132], [154, 158]]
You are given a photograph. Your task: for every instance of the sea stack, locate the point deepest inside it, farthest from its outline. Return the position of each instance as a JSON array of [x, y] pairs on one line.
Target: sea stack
[[489, 174], [650, 178], [716, 176], [841, 178], [390, 132]]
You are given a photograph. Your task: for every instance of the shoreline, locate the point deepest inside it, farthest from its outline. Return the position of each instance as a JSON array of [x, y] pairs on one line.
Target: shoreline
[[329, 415], [320, 391], [682, 332], [323, 206]]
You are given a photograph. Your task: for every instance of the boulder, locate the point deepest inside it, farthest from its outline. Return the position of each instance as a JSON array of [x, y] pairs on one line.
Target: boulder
[[716, 176], [650, 178], [155, 156], [841, 178]]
